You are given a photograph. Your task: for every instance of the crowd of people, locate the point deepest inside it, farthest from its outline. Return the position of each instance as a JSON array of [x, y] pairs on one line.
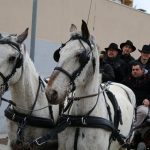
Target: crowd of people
[[117, 64]]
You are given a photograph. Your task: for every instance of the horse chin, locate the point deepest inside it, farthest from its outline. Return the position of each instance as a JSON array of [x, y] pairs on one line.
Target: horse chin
[[53, 102], [51, 98]]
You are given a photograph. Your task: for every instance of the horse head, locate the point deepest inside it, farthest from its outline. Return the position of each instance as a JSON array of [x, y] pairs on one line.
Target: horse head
[[76, 65], [11, 59]]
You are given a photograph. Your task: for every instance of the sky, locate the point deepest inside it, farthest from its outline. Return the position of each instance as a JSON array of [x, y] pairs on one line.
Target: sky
[[142, 4]]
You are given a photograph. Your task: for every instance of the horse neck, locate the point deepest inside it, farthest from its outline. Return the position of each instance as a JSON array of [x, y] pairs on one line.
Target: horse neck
[[83, 106], [24, 91]]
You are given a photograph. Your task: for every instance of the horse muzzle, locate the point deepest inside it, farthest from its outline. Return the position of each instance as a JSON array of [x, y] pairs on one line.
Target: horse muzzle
[[52, 96]]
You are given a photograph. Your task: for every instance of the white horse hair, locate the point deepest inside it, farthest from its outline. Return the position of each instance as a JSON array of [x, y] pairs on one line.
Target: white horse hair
[[23, 84], [87, 83]]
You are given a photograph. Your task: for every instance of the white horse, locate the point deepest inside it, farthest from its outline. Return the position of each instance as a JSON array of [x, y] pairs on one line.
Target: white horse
[[88, 121], [29, 116]]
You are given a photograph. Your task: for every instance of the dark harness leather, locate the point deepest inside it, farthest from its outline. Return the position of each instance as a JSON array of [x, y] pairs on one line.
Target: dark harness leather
[[13, 115], [92, 122]]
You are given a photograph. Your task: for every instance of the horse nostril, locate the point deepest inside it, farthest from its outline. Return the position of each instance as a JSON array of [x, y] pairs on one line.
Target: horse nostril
[[51, 95], [54, 94]]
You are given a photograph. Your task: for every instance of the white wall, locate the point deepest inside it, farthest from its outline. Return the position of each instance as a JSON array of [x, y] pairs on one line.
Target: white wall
[[108, 21]]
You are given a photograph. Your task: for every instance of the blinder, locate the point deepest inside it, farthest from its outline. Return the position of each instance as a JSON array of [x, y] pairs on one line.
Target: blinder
[[19, 61], [56, 55], [84, 58]]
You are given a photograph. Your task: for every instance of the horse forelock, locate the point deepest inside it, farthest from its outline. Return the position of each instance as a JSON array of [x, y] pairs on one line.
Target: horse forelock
[[9, 37], [72, 34], [79, 34]]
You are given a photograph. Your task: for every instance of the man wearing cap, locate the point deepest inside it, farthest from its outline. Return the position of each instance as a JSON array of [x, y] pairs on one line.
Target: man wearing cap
[[144, 59], [113, 58]]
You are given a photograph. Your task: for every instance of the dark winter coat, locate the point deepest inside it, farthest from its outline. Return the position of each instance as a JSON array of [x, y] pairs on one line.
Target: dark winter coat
[[119, 67], [140, 86], [128, 59], [107, 72], [147, 65]]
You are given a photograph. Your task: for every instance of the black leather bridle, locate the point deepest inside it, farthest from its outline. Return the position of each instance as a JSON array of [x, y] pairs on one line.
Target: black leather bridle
[[77, 72], [4, 86]]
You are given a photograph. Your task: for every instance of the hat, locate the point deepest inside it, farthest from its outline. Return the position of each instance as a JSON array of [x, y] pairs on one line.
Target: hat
[[102, 52], [128, 42], [113, 46], [145, 49]]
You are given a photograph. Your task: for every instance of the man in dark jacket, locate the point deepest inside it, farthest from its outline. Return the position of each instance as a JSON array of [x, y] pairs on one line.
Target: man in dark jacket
[[139, 82], [105, 69], [113, 58], [144, 59], [127, 48]]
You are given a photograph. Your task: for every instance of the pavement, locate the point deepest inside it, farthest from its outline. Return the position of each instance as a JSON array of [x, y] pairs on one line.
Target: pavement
[[3, 142]]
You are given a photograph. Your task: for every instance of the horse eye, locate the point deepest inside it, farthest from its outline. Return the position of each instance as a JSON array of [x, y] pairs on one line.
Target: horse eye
[[78, 55], [12, 59]]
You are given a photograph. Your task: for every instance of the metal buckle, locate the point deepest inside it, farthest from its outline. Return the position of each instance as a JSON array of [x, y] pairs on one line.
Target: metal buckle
[[18, 131], [83, 120], [68, 121], [37, 141], [13, 117]]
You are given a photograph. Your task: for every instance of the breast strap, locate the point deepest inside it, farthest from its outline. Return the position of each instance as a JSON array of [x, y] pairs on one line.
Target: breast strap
[[13, 115]]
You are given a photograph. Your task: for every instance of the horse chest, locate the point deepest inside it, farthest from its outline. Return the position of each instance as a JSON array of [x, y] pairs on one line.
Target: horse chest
[[86, 140]]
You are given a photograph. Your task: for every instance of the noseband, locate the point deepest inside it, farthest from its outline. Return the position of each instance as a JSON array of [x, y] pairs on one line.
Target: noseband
[[4, 86], [77, 72]]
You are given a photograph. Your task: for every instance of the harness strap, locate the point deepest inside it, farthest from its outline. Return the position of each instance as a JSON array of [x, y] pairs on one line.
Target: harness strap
[[32, 120], [79, 121], [23, 123], [117, 114], [71, 77], [93, 122], [107, 105], [76, 138], [8, 101], [51, 135], [87, 121]]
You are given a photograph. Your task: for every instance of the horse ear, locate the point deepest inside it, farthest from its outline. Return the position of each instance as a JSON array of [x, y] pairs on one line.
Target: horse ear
[[85, 30], [1, 36], [73, 28], [22, 36]]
